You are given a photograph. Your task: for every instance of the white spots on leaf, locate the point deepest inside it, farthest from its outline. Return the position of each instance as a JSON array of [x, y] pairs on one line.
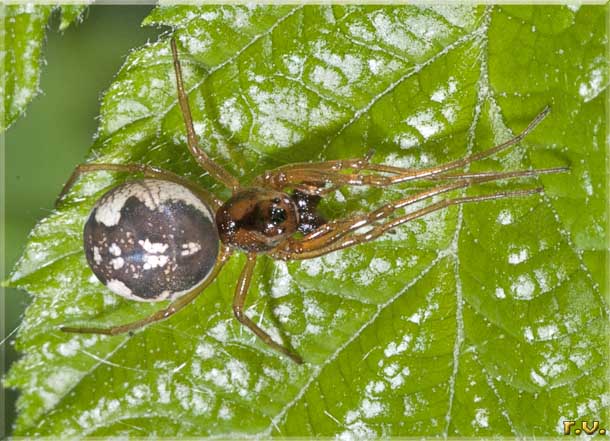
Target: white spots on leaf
[[376, 267], [69, 348], [579, 359], [394, 34], [422, 314], [528, 334], [371, 409], [312, 309], [523, 288], [371, 406], [164, 395], [461, 16], [481, 418], [500, 293], [233, 377], [518, 257], [356, 430], [138, 395], [543, 280], [375, 388], [406, 140], [395, 375], [326, 77], [348, 64], [313, 329], [294, 64], [205, 351], [505, 217], [537, 378], [281, 283], [547, 332], [586, 183], [333, 264], [195, 44], [225, 413], [283, 312], [445, 91], [395, 349], [312, 267], [553, 365], [596, 80], [62, 380], [191, 399], [425, 123], [360, 31], [219, 332], [231, 115], [283, 115], [125, 111], [96, 416]]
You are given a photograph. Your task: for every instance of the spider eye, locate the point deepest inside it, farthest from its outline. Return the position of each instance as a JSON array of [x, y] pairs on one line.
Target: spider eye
[[278, 215]]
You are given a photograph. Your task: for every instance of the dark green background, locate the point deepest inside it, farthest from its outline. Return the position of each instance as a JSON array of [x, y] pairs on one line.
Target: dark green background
[[55, 134]]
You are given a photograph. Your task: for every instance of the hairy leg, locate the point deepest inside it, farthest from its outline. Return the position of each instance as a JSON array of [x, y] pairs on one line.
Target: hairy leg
[[329, 172], [214, 169], [239, 301]]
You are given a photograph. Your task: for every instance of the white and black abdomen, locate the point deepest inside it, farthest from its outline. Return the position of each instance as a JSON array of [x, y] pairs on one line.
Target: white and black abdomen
[[151, 240]]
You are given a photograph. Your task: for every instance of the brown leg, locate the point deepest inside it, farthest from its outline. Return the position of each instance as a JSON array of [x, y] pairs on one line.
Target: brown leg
[[336, 229], [214, 169], [307, 250], [328, 172], [147, 170], [238, 308], [163, 314]]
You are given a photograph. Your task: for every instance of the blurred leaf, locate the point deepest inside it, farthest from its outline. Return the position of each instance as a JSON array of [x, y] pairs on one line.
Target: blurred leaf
[[71, 14], [22, 35], [488, 319]]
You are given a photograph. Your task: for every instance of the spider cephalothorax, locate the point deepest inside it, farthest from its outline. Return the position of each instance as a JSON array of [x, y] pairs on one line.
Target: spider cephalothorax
[[156, 239], [257, 219]]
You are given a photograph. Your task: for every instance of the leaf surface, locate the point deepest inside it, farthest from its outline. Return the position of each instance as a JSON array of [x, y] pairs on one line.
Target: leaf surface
[[23, 33], [448, 325]]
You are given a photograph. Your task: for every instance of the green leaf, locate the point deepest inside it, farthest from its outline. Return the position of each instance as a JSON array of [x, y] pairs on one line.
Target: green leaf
[[71, 14], [480, 320], [22, 36]]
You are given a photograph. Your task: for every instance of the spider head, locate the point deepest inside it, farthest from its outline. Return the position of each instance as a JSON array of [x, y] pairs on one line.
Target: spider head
[[257, 219]]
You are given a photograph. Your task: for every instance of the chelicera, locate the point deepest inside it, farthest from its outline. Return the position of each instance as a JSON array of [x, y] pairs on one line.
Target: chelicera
[[165, 238]]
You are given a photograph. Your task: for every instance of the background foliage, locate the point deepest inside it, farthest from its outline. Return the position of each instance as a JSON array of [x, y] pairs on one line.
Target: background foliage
[[72, 78], [447, 326]]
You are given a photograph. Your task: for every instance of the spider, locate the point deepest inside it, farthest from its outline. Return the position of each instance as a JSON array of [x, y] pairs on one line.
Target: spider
[[165, 238]]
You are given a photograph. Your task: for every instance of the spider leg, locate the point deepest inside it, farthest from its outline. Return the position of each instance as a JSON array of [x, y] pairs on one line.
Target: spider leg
[[238, 308], [214, 169], [328, 172], [162, 314], [147, 170], [310, 250], [335, 229]]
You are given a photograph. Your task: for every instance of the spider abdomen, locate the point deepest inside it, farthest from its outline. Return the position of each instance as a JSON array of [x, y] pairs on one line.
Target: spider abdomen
[[151, 240]]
